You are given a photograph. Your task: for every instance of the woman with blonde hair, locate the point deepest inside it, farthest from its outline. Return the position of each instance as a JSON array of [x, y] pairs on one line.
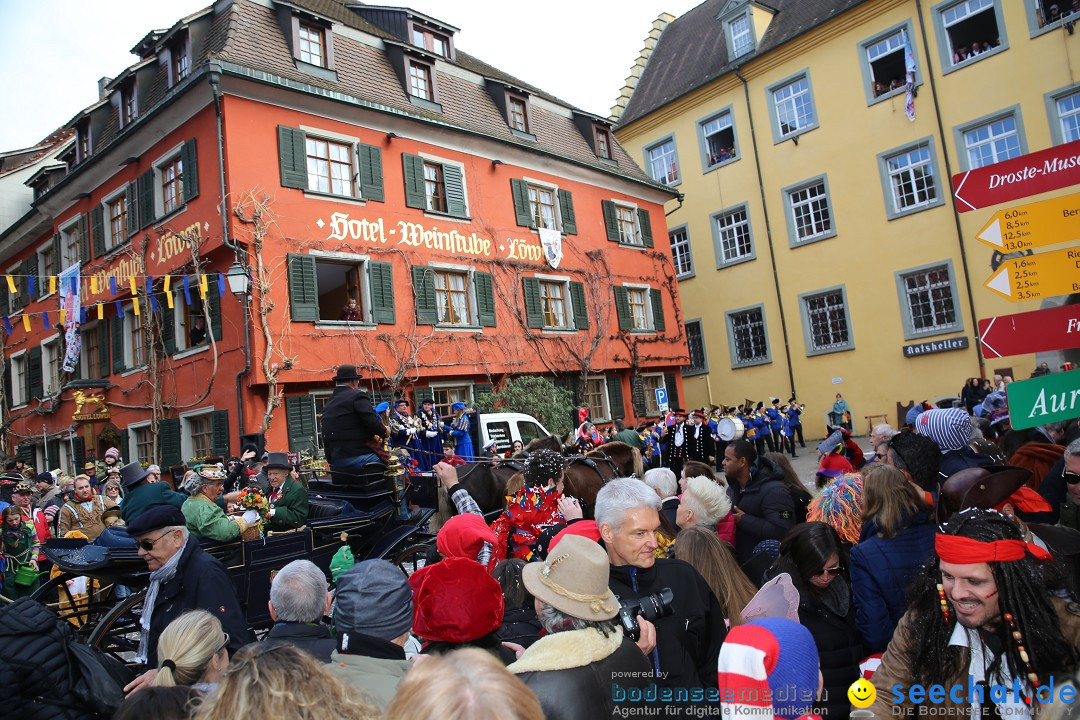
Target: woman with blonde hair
[[468, 684], [703, 502], [192, 651], [715, 561], [280, 681], [896, 541]]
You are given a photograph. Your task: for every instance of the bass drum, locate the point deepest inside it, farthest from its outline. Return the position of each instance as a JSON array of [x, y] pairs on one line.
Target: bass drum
[[729, 428]]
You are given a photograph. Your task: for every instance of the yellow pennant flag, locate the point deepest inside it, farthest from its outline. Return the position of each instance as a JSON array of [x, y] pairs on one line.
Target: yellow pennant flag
[[134, 289], [202, 286], [100, 311], [135, 304], [168, 296], [93, 284], [26, 323], [11, 285], [52, 284], [63, 315], [168, 283]]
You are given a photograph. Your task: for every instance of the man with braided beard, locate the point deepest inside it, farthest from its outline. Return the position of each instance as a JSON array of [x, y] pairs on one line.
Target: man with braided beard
[[982, 615]]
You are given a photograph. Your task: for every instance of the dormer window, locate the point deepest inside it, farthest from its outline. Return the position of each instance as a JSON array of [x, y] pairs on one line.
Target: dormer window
[[420, 85], [129, 105], [430, 40], [742, 36], [603, 143], [179, 60], [84, 143], [518, 114], [312, 45]]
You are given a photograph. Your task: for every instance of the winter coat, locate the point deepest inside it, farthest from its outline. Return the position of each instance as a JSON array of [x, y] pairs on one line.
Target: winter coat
[[770, 512], [687, 641], [881, 570], [726, 529], [956, 460], [349, 424], [146, 495], [200, 583], [74, 516], [291, 509], [207, 520], [313, 639], [520, 625], [574, 673], [373, 666]]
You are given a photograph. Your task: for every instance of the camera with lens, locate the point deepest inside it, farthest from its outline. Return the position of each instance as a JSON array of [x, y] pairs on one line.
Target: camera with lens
[[651, 607]]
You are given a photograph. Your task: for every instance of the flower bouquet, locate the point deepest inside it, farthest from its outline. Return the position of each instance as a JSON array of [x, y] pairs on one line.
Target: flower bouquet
[[252, 499]]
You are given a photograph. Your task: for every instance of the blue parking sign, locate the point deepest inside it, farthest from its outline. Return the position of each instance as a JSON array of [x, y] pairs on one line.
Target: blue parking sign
[[661, 399]]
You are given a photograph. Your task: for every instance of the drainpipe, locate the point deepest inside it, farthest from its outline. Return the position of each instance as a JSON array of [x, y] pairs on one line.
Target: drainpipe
[[946, 179], [215, 88], [768, 233]]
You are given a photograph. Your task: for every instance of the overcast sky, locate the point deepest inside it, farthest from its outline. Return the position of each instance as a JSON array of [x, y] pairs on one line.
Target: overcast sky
[[54, 51]]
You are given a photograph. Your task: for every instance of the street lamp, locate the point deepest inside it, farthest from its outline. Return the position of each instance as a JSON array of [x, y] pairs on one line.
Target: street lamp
[[239, 282]]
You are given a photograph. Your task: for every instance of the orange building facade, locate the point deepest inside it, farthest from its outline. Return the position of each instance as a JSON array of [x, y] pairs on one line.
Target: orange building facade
[[323, 154]]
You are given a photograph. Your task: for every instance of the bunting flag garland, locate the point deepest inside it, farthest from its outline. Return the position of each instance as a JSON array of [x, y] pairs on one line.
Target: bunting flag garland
[[202, 286], [100, 311], [93, 284], [134, 289], [221, 284], [63, 315], [26, 323], [119, 309], [52, 284], [31, 282], [45, 321], [7, 325], [112, 285], [135, 305], [187, 290], [11, 285]]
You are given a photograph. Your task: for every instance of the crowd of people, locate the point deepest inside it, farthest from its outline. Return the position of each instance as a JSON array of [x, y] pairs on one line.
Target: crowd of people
[[719, 578]]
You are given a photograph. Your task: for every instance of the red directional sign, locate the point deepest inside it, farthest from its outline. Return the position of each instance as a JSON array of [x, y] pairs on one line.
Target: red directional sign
[[1021, 177], [1031, 332]]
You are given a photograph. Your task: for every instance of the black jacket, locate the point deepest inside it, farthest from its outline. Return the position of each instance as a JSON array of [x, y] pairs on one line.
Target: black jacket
[[349, 422], [770, 511], [520, 625], [671, 509], [315, 640], [575, 673], [688, 641], [200, 583]]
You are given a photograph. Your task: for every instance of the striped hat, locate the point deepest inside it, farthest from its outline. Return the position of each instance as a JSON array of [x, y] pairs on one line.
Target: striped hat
[[768, 663], [950, 429]]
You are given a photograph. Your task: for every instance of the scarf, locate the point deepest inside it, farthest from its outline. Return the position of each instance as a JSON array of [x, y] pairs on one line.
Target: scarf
[[158, 577]]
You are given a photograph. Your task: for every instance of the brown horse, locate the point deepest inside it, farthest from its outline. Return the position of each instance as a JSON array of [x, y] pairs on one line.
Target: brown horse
[[586, 474], [485, 481]]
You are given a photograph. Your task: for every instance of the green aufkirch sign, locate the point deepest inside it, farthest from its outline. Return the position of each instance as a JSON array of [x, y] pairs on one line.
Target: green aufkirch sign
[[1044, 399]]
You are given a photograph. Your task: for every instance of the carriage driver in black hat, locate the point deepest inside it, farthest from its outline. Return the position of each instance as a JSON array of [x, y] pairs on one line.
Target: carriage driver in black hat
[[351, 429]]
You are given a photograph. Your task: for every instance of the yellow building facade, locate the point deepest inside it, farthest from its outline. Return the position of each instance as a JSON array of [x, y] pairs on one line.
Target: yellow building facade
[[818, 245]]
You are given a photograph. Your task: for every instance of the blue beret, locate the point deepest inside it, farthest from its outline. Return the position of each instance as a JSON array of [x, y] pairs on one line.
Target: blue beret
[[156, 518], [382, 407], [457, 406]]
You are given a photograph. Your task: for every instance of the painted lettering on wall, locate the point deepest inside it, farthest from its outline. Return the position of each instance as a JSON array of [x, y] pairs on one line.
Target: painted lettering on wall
[[452, 242], [172, 244], [122, 270]]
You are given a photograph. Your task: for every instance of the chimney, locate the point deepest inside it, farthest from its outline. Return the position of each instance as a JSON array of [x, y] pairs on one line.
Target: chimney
[[102, 84]]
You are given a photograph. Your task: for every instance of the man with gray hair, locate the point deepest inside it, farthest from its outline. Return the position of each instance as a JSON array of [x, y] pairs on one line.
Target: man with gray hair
[[299, 601], [666, 486], [688, 640]]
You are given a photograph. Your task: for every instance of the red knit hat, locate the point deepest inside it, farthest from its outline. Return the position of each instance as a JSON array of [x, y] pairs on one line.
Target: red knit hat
[[463, 536], [455, 601]]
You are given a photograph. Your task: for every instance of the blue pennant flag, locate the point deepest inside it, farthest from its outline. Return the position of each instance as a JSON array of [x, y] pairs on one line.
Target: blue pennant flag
[[187, 290], [112, 285], [154, 303], [32, 284], [221, 284], [7, 325], [82, 315], [119, 309], [45, 320]]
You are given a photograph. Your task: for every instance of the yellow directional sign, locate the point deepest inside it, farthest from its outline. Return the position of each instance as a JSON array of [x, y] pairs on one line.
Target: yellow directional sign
[[1035, 225], [1037, 276]]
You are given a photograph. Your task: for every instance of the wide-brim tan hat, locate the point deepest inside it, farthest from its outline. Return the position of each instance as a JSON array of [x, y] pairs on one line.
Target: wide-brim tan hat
[[574, 580]]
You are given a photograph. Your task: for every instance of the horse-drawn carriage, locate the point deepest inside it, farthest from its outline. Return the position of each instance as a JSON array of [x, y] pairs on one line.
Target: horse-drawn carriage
[[357, 511]]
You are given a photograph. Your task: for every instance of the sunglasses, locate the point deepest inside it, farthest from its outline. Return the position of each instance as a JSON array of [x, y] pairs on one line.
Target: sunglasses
[[1070, 477], [832, 572], [148, 545]]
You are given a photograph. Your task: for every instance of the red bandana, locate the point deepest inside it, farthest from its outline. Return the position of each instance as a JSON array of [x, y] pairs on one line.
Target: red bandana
[[965, 551]]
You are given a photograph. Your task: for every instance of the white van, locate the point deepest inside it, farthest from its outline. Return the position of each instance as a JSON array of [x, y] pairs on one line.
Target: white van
[[506, 427]]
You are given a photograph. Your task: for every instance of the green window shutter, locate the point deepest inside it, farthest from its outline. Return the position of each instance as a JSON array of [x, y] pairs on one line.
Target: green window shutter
[[534, 311], [637, 395], [34, 374], [213, 295], [131, 201], [379, 396], [52, 454], [219, 422], [485, 299], [292, 157], [4, 298], [481, 389], [522, 208], [97, 226], [454, 184], [646, 227], [611, 220], [657, 310], [168, 328], [189, 162], [303, 288], [102, 330], [672, 390], [371, 176], [427, 312], [43, 282], [415, 194], [577, 302], [123, 445], [614, 392], [117, 344], [169, 442], [381, 283], [7, 383], [622, 309], [422, 394], [56, 241], [25, 452], [84, 239], [79, 450], [147, 214], [566, 209], [300, 417]]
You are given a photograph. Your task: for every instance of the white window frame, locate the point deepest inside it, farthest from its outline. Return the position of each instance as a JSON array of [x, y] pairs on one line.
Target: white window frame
[[780, 134], [789, 210], [181, 338], [651, 408], [945, 48], [316, 396], [19, 397], [52, 356], [703, 139], [133, 442], [733, 41], [722, 261], [637, 240], [910, 331], [129, 346], [650, 324], [964, 144], [469, 398], [1058, 132], [892, 208], [812, 349], [568, 304], [323, 59], [473, 321], [902, 29], [361, 262], [110, 240], [533, 184], [187, 445], [605, 400], [70, 229], [159, 194], [43, 277], [688, 251], [674, 155], [436, 160]]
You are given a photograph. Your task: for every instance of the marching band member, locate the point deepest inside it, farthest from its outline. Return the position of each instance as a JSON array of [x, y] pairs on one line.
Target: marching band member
[[430, 440], [458, 431], [403, 432]]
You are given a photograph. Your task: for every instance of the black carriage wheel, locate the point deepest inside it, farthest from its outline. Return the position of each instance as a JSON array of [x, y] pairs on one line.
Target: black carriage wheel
[[118, 632], [83, 614], [411, 558]]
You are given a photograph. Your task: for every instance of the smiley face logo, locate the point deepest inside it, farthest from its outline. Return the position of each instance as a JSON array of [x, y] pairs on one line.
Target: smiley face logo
[[862, 693]]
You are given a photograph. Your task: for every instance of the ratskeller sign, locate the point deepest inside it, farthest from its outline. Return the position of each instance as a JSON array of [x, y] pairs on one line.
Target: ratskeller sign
[[936, 346]]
